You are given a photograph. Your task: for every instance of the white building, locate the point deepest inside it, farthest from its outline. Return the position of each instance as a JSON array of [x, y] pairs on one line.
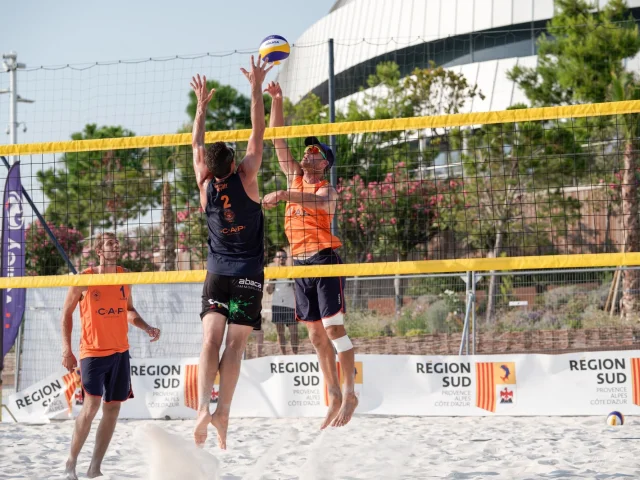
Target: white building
[[481, 39]]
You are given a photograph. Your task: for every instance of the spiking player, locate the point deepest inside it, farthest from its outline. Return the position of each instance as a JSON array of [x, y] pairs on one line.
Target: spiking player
[[232, 292], [311, 204]]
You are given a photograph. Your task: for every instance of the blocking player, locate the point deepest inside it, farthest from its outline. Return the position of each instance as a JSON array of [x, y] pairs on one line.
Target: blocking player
[[311, 204], [105, 314], [232, 291]]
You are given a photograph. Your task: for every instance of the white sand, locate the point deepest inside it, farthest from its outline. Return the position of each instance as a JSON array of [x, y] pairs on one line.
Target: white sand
[[368, 448]]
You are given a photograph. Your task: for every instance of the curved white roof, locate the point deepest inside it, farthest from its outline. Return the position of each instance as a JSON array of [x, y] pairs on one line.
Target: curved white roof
[[365, 29]]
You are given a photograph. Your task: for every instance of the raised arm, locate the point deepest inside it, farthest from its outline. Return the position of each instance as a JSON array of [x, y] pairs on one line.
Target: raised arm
[[203, 96], [74, 294], [288, 164], [324, 199], [250, 166]]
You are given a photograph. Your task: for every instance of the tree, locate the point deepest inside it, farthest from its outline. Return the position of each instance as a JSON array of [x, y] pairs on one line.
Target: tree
[[627, 87], [582, 60], [508, 166], [426, 92], [583, 47], [162, 163], [100, 189]]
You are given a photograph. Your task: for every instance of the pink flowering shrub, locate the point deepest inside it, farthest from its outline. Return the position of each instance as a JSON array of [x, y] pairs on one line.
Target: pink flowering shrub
[[42, 256]]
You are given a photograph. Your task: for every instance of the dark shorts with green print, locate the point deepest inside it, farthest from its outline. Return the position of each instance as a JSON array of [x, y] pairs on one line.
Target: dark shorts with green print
[[237, 298]]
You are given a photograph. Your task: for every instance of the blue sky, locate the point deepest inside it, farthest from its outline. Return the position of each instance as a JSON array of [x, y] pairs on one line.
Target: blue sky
[[148, 97], [80, 32]]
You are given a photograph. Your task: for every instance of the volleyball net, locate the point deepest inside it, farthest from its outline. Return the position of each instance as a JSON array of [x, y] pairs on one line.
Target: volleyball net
[[517, 189]]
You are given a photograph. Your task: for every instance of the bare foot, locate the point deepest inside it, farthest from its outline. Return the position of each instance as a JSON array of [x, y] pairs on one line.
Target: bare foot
[[200, 432], [349, 404], [221, 423], [70, 470], [335, 400], [93, 473]]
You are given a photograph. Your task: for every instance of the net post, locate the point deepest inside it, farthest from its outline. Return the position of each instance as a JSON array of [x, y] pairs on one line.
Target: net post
[[16, 372], [465, 329], [44, 224], [332, 138]]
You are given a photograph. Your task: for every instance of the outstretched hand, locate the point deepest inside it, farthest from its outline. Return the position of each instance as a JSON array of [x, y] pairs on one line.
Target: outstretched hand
[[199, 86], [258, 72], [274, 90], [271, 200]]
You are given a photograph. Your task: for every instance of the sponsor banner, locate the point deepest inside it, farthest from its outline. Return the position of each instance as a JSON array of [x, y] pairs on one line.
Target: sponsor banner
[[293, 386], [13, 259]]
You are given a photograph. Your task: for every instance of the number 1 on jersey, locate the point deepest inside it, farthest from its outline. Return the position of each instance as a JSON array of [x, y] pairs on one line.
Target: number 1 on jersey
[[122, 290], [225, 199]]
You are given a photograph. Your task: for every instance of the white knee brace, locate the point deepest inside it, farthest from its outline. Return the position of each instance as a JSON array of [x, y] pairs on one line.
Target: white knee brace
[[341, 344]]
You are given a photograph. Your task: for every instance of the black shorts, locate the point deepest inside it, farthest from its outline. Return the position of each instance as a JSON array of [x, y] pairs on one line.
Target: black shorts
[[108, 377], [283, 315], [321, 297], [237, 298]]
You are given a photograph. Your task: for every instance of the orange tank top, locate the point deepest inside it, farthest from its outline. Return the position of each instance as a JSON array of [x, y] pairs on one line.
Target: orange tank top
[[103, 319], [308, 229]]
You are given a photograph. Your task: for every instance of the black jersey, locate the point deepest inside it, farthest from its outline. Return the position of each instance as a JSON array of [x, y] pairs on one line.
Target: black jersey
[[236, 229]]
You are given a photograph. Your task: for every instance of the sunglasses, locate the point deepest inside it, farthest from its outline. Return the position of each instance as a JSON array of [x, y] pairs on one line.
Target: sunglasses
[[314, 149]]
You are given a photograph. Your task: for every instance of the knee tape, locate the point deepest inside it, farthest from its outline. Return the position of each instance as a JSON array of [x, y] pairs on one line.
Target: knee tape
[[342, 344], [337, 319]]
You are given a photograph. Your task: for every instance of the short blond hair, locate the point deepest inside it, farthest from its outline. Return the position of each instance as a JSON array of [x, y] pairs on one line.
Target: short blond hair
[[98, 241]]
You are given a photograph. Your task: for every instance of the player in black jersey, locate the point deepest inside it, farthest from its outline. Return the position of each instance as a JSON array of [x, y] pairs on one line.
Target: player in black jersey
[[232, 292]]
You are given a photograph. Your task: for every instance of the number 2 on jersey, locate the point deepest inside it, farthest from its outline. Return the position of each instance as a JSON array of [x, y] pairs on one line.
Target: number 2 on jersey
[[225, 199]]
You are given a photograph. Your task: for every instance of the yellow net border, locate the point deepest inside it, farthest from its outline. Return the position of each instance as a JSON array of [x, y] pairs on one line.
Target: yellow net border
[[344, 128], [344, 270]]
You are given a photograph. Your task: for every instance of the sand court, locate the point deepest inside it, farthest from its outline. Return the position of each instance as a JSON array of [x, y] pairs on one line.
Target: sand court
[[370, 447]]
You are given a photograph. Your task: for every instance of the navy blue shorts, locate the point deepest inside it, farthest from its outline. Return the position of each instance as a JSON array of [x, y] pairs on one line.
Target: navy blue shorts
[[321, 297], [108, 377]]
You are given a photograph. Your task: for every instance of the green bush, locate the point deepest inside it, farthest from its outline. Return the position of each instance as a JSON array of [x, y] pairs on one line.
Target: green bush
[[429, 319]]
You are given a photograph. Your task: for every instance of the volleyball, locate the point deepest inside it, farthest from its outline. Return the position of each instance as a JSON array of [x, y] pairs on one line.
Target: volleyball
[[274, 49], [615, 419]]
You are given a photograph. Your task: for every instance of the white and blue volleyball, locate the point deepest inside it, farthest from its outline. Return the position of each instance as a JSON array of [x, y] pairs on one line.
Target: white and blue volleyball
[[615, 419], [274, 49]]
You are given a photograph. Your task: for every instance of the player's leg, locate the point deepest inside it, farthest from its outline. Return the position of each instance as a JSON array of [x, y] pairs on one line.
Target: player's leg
[[215, 310], [332, 308], [92, 372], [276, 313], [244, 317], [293, 333], [308, 312], [117, 390], [230, 364]]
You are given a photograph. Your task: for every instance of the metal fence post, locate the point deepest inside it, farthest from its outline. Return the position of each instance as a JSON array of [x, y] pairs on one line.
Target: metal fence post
[[473, 313]]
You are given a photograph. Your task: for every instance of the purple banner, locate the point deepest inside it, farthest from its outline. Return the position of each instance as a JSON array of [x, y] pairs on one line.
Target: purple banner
[[13, 258]]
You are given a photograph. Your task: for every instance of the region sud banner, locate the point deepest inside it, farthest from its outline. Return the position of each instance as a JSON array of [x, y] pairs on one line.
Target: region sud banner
[[293, 386]]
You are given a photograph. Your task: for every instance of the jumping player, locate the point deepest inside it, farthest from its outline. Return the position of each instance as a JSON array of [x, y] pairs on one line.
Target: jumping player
[[232, 291], [311, 204], [105, 312]]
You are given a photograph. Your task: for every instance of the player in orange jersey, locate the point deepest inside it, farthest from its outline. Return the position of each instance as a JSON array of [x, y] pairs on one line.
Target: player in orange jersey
[[105, 315], [311, 203]]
